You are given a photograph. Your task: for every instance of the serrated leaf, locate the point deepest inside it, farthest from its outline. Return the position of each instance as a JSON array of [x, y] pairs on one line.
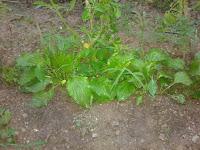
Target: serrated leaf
[[102, 89], [180, 98], [152, 87], [79, 89], [124, 90], [183, 78], [139, 100], [42, 98], [156, 55], [39, 73], [27, 76], [177, 64], [29, 59], [39, 86]]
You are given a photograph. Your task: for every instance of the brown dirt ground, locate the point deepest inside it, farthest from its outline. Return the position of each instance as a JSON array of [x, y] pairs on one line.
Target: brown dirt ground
[[158, 125]]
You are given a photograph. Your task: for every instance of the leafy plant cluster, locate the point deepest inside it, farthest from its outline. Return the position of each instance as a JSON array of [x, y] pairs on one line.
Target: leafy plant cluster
[[175, 26], [93, 66], [7, 134]]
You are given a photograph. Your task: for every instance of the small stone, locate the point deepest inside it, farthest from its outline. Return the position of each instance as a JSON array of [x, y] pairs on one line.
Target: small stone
[[94, 135], [164, 126], [115, 123], [195, 139], [25, 115], [162, 137], [35, 130], [66, 131]]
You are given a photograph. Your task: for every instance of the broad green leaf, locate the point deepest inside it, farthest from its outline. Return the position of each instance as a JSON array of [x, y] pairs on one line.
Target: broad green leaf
[[152, 87], [29, 59], [177, 64], [39, 73], [195, 68], [102, 89], [124, 90], [27, 76], [156, 55], [79, 90], [39, 86], [139, 100], [180, 98], [5, 117], [42, 98], [183, 78]]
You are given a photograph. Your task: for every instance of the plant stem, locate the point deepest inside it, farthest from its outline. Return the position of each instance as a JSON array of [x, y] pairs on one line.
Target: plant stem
[[168, 87]]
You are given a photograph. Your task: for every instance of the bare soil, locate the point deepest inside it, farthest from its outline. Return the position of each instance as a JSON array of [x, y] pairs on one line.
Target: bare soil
[[158, 125]]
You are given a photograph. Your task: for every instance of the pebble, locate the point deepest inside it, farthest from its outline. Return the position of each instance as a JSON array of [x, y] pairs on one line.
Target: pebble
[[25, 115], [94, 135], [115, 123], [35, 130], [195, 139], [162, 137]]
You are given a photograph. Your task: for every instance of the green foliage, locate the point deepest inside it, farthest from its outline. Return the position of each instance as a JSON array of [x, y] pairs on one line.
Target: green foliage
[[42, 98], [183, 78], [9, 75], [161, 4], [176, 27], [179, 98], [152, 87], [6, 134], [197, 6], [4, 8], [79, 90], [95, 67]]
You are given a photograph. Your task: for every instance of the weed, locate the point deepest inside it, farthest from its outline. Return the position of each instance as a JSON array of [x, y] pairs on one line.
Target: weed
[[6, 134], [95, 67], [9, 75]]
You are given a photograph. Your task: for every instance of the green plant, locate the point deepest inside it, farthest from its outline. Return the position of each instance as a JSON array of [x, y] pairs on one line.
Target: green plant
[[196, 6], [96, 67], [8, 75], [176, 27], [194, 70], [4, 8], [6, 134]]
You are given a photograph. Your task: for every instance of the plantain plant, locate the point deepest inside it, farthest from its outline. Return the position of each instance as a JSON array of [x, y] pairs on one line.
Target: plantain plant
[[96, 67]]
